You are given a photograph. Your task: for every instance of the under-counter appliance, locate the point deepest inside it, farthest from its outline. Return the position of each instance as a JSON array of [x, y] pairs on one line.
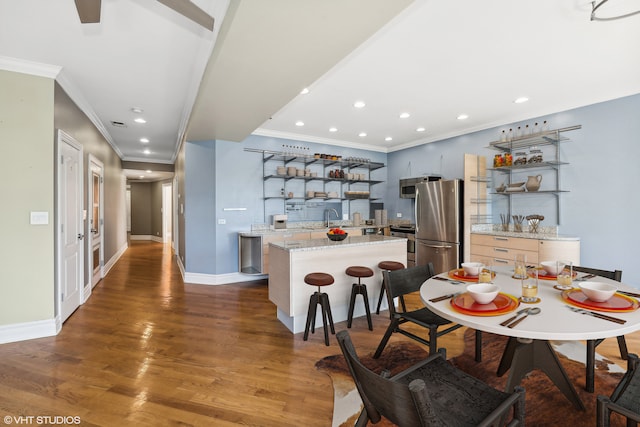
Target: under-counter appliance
[[407, 232], [280, 222], [438, 213], [408, 185]]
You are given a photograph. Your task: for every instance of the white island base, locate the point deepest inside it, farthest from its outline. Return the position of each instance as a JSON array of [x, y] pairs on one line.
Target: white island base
[[290, 262]]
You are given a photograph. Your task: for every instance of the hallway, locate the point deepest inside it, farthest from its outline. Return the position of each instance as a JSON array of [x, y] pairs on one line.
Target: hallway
[[147, 350]]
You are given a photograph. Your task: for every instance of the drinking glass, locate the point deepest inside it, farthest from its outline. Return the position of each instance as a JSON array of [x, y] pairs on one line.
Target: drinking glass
[[486, 272], [530, 290], [520, 269], [565, 277]]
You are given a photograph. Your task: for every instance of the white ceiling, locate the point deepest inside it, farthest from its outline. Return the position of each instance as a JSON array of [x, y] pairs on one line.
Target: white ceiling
[[432, 59]]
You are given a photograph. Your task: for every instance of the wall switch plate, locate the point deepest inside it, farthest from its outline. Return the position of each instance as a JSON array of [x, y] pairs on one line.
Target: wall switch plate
[[39, 218], [222, 221], [399, 215], [345, 217]]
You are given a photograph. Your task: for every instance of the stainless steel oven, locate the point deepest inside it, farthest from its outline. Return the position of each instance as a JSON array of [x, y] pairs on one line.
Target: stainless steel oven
[[409, 234]]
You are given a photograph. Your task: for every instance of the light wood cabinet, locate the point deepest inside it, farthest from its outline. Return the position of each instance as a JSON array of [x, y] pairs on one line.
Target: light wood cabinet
[[502, 250]]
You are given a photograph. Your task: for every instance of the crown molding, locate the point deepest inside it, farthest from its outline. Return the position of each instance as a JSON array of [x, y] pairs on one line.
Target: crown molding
[[319, 140], [29, 67]]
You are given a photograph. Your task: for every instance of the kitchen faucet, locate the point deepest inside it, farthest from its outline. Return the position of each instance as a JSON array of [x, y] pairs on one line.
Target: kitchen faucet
[[327, 213]]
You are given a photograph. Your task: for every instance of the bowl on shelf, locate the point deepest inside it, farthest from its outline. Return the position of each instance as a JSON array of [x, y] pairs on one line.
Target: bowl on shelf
[[337, 237], [472, 268], [552, 267], [598, 291], [516, 184], [483, 293]]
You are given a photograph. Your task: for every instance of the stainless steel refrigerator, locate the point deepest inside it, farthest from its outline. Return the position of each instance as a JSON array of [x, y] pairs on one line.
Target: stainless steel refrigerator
[[438, 209]]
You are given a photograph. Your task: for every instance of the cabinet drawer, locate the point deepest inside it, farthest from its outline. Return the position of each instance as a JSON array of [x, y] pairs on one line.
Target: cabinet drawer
[[505, 242], [505, 254]]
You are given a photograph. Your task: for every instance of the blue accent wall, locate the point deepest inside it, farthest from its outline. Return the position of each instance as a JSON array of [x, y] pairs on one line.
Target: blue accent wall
[[601, 206]]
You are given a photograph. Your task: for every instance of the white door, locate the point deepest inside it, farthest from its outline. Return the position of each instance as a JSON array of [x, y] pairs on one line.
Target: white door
[[166, 213], [96, 219], [70, 225]]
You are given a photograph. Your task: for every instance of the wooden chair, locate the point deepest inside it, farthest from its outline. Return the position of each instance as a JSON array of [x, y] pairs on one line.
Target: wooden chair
[[592, 344], [400, 283], [624, 400], [431, 393]]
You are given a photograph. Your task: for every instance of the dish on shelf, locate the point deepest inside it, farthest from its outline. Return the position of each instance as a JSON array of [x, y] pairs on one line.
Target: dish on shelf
[[356, 194], [516, 184], [502, 304], [617, 303], [459, 274], [515, 190]]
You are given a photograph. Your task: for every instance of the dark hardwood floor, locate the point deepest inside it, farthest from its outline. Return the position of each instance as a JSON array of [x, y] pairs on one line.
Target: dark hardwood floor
[[148, 350]]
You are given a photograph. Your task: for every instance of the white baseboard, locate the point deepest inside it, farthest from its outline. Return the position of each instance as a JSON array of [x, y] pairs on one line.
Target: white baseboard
[[112, 261], [29, 330], [147, 237]]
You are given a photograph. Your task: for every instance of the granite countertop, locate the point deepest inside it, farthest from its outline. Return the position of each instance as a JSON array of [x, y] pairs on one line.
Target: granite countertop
[[321, 244]]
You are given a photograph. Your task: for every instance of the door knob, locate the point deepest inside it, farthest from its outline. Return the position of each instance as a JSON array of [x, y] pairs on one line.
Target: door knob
[[80, 236]]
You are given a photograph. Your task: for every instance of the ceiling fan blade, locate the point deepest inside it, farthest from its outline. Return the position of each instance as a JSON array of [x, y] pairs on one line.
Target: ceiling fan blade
[[191, 11], [88, 11]]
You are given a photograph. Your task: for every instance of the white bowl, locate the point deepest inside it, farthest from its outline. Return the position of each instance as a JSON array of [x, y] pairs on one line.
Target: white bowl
[[472, 268], [483, 293], [552, 267], [598, 291]]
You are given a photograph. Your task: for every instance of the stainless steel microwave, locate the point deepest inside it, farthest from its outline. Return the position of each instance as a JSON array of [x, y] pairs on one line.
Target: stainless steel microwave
[[408, 185]]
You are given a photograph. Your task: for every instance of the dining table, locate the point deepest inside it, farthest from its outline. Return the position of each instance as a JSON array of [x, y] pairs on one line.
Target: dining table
[[529, 346]]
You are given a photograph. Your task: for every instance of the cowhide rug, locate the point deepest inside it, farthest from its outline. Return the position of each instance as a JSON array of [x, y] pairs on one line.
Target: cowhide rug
[[545, 405]]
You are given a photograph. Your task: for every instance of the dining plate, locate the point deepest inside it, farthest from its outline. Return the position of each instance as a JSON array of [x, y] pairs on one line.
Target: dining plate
[[459, 274], [617, 303], [503, 304], [543, 275]]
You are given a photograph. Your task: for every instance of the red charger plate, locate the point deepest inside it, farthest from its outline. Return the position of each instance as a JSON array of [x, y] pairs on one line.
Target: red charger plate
[[503, 303], [459, 274], [617, 303]]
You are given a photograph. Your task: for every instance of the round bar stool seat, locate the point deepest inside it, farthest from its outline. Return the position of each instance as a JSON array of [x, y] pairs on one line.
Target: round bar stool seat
[[359, 289], [388, 266], [318, 297]]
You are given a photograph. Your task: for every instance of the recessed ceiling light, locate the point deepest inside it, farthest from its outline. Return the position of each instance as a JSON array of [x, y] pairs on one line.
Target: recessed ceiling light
[[362, 134], [148, 171], [420, 129], [359, 104], [404, 115], [147, 151], [144, 140], [333, 129], [521, 100], [140, 120], [299, 123], [463, 117], [304, 91], [137, 110], [141, 176], [388, 138]]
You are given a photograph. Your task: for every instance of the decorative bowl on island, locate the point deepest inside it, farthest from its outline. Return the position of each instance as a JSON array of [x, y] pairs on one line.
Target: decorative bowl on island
[[552, 267], [598, 291], [337, 234], [472, 268], [483, 293]]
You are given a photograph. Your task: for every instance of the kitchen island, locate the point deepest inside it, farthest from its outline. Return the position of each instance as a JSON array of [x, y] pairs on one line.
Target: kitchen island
[[292, 260]]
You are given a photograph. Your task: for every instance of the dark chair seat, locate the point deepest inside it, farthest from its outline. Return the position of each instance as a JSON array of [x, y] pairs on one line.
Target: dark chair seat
[[431, 393], [403, 282], [624, 400]]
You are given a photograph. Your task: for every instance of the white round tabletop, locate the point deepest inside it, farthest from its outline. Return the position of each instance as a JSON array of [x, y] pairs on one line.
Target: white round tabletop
[[555, 321]]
